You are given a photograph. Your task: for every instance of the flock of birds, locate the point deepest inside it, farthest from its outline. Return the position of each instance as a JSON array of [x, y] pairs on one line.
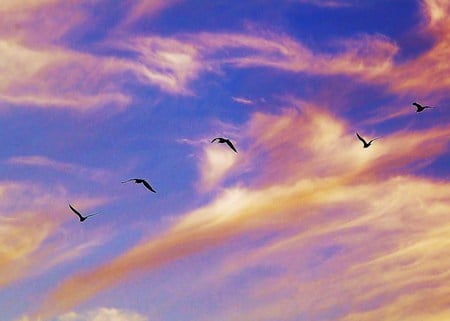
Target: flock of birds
[[142, 181], [222, 140]]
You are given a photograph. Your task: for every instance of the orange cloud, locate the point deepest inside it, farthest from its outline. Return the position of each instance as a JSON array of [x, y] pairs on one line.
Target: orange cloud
[[310, 166], [145, 8], [31, 231], [376, 252], [56, 77]]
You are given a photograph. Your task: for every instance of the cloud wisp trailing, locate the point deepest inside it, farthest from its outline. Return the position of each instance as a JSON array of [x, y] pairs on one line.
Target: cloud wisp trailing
[[308, 183], [32, 231], [70, 168], [173, 63]]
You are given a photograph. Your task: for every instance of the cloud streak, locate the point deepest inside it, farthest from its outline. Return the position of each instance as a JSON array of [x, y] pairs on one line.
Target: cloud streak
[[308, 183], [173, 63], [74, 169], [30, 233]]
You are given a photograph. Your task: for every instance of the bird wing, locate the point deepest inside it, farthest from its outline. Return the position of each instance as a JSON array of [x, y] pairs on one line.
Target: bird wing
[[75, 211], [91, 215], [361, 139], [374, 139], [229, 143], [128, 180], [417, 105], [146, 184], [217, 138]]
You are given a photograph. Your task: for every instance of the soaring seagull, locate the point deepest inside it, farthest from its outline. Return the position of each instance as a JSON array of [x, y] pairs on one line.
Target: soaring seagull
[[366, 144], [141, 181], [420, 108], [81, 217], [222, 140]]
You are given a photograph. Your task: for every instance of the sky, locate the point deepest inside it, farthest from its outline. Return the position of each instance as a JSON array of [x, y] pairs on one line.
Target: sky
[[301, 224]]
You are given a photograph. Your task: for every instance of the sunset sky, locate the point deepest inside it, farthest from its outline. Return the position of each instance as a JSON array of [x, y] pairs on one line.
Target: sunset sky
[[302, 224]]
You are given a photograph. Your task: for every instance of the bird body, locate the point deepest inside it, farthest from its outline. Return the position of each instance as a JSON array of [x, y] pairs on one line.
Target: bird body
[[222, 140], [420, 108], [366, 144], [81, 217], [141, 181]]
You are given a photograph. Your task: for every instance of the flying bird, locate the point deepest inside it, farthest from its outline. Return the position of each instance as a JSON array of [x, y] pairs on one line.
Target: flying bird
[[366, 144], [141, 181], [420, 108], [222, 140], [81, 217]]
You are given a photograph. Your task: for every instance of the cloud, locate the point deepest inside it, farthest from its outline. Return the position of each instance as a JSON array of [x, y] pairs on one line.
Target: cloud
[[74, 169], [429, 73], [57, 77], [168, 63], [103, 314], [99, 314], [366, 58], [376, 253], [327, 3], [172, 63], [216, 162], [31, 232], [307, 186], [242, 100], [37, 72], [143, 8]]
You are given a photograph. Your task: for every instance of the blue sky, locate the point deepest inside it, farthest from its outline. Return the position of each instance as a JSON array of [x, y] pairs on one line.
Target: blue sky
[[301, 224]]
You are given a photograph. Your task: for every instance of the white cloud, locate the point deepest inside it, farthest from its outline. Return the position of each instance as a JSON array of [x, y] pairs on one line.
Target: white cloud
[[42, 161], [100, 314], [242, 100], [103, 314]]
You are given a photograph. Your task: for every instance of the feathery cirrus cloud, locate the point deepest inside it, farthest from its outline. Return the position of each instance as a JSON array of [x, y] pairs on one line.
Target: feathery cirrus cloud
[[56, 76], [284, 195]]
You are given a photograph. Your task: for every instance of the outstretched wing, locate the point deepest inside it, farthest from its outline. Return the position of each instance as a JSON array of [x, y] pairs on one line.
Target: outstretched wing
[[217, 138], [361, 139], [374, 139], [91, 215], [129, 180], [146, 184], [229, 143], [417, 105], [75, 211]]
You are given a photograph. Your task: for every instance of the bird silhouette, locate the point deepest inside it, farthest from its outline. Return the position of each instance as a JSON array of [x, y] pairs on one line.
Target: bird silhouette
[[222, 140], [420, 108], [366, 144], [141, 181], [81, 217]]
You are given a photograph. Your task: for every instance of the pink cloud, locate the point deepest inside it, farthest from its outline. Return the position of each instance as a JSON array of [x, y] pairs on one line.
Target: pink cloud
[[31, 234], [144, 8], [37, 71], [328, 3], [325, 171]]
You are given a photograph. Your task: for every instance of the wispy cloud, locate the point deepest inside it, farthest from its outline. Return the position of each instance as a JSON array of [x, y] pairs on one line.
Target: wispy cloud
[[215, 163], [168, 63], [307, 185], [109, 314], [41, 79], [243, 100], [327, 3], [145, 9], [36, 74], [74, 169], [30, 233]]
